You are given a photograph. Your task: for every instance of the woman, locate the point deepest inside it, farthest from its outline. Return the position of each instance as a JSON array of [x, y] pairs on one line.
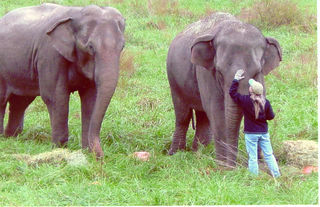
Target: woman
[[256, 110]]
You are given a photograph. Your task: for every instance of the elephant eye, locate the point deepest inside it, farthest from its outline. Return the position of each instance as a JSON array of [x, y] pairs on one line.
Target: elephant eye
[[91, 49], [122, 46], [256, 76]]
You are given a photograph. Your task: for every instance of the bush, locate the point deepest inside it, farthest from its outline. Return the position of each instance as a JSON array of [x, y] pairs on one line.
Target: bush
[[275, 13]]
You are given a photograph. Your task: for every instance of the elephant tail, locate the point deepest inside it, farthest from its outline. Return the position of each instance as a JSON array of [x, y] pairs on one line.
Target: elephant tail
[[192, 118]]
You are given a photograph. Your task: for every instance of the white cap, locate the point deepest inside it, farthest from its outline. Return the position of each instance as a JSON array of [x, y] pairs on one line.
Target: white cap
[[257, 87]]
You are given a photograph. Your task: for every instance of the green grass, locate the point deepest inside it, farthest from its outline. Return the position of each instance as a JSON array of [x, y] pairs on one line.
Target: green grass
[[141, 117]]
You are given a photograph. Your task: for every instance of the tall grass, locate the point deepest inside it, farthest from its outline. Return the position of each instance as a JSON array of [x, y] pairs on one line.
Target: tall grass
[[273, 14], [141, 118]]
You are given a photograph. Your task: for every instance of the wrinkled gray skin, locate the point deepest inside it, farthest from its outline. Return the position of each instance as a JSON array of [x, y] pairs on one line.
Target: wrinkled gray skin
[[53, 50], [201, 64]]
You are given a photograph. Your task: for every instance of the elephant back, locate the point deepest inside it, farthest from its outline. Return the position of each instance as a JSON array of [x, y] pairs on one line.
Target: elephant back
[[30, 15], [206, 25]]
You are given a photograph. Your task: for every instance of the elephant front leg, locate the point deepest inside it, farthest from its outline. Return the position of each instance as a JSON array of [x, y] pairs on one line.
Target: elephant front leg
[[220, 144], [183, 117], [58, 110], [215, 115], [203, 133], [54, 91], [179, 139], [88, 98], [56, 97], [216, 118]]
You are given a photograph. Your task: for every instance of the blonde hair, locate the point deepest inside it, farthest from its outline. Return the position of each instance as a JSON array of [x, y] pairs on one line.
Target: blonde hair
[[258, 101]]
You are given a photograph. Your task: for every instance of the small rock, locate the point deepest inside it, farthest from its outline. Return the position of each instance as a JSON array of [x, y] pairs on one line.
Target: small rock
[[143, 156], [309, 170]]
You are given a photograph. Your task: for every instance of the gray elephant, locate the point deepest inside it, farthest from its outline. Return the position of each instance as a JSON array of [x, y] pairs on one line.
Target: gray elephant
[[52, 51], [201, 64]]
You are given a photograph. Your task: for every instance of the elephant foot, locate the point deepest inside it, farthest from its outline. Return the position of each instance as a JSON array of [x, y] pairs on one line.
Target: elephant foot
[[96, 149], [175, 146], [194, 148], [85, 144], [63, 142], [232, 165], [224, 165], [12, 133], [195, 144], [173, 151], [227, 168], [232, 160]]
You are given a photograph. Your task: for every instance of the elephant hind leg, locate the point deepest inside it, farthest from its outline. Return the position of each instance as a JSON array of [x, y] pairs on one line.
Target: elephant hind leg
[[183, 116], [17, 107], [203, 133]]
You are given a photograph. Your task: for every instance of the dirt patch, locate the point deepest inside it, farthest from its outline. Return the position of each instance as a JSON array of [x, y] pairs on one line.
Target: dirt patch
[[57, 156]]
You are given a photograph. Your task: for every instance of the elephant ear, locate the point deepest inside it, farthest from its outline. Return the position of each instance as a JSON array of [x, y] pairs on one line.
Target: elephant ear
[[62, 38], [202, 51], [272, 55]]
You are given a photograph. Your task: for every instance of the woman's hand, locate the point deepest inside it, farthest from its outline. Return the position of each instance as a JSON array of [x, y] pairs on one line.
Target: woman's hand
[[239, 75]]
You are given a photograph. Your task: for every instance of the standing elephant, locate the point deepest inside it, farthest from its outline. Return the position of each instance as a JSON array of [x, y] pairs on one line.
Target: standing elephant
[[201, 64], [52, 51]]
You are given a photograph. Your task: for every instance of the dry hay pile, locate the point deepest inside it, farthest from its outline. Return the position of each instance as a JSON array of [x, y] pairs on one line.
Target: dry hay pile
[[57, 156], [300, 153]]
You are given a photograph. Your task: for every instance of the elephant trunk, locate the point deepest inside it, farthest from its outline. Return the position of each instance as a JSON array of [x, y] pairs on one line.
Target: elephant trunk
[[233, 114], [106, 78]]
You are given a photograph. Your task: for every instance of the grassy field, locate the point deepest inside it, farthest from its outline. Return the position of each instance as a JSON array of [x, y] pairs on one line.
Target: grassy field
[[141, 118]]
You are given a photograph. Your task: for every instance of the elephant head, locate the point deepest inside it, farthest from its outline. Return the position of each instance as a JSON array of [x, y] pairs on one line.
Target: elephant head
[[231, 46], [91, 40]]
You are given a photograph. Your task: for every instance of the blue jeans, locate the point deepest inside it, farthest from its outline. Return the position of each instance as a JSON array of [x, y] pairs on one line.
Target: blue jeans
[[252, 141]]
